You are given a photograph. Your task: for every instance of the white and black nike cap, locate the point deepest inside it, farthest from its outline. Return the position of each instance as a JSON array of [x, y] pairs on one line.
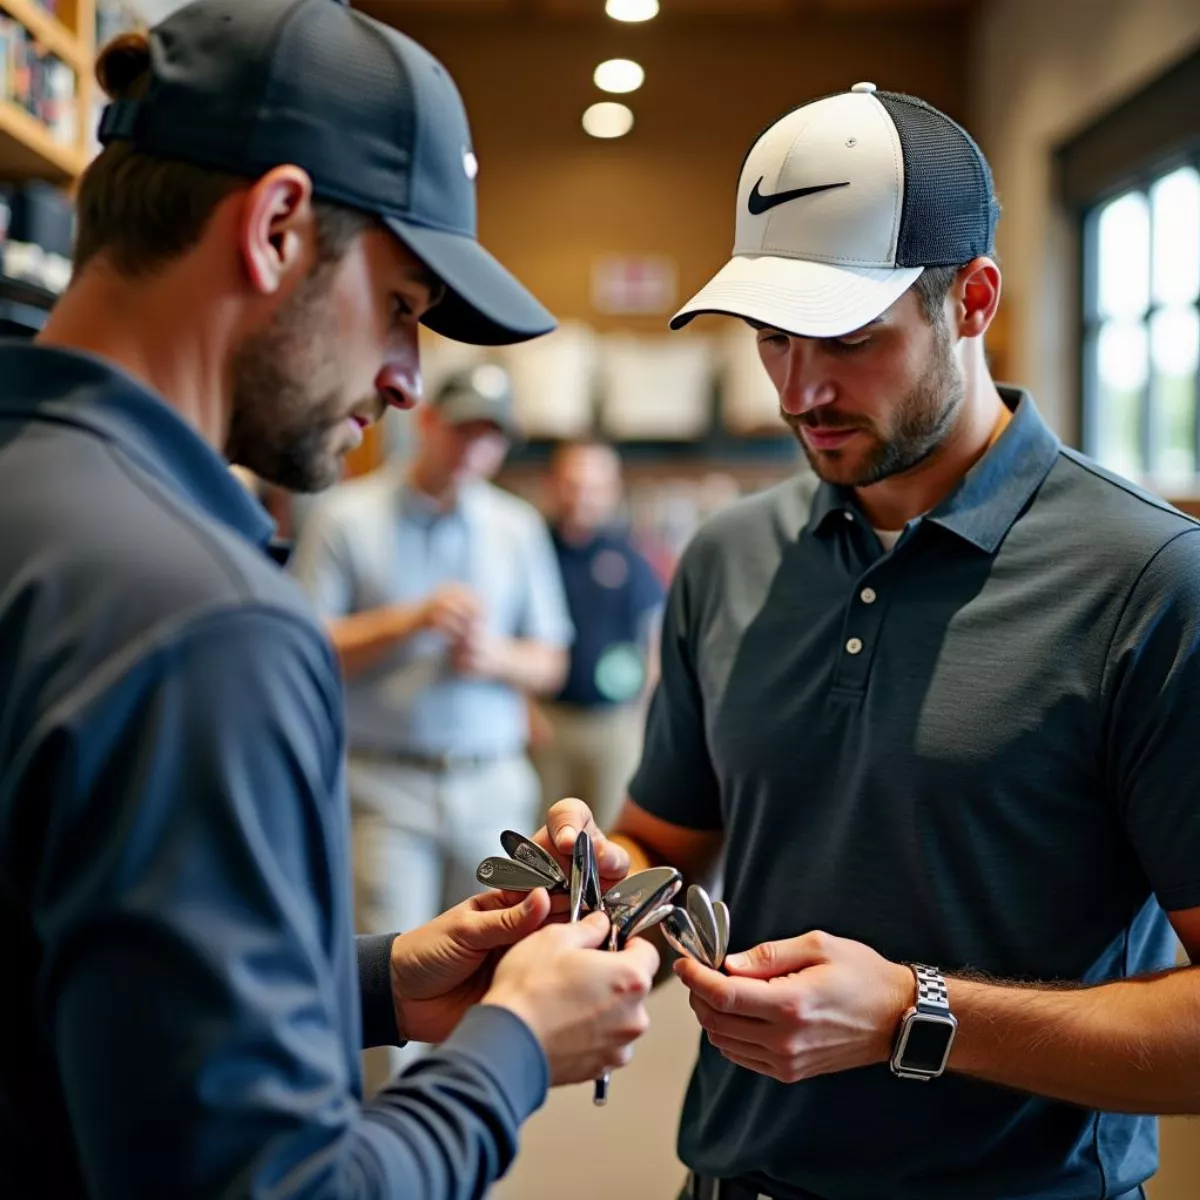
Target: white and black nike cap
[[842, 204]]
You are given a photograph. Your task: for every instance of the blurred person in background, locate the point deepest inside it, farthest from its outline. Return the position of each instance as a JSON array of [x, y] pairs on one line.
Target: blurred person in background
[[446, 607], [592, 736]]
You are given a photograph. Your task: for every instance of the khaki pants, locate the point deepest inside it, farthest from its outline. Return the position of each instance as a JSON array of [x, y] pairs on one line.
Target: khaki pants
[[592, 756], [418, 837]]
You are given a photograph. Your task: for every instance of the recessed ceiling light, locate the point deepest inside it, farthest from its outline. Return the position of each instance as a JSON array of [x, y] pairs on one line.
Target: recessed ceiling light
[[631, 10], [619, 75], [608, 120]]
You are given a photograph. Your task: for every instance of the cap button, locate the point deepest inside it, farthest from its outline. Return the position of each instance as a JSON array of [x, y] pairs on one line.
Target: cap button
[[864, 87]]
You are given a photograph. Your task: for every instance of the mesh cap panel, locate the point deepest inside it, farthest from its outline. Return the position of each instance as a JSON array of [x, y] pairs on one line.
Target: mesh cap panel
[[950, 210]]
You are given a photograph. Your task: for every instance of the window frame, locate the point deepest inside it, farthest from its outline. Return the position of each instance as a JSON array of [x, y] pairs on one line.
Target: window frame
[[1136, 142], [1092, 321]]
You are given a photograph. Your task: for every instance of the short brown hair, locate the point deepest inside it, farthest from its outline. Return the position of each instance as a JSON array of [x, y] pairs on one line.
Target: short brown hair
[[141, 211], [932, 288]]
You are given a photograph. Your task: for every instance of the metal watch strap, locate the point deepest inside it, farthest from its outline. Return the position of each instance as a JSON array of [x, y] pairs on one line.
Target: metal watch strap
[[932, 993]]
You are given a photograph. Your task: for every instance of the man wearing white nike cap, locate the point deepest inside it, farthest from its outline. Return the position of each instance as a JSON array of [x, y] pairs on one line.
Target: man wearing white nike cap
[[936, 708]]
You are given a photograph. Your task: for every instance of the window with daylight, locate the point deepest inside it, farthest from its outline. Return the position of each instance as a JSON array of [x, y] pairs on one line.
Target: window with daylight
[[1141, 344], [1132, 181]]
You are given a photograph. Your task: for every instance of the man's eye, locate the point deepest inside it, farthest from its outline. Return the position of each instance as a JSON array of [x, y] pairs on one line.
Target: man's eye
[[774, 340], [401, 309], [851, 345]]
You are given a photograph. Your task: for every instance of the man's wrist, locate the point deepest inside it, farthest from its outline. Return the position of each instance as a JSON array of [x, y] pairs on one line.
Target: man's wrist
[[903, 994]]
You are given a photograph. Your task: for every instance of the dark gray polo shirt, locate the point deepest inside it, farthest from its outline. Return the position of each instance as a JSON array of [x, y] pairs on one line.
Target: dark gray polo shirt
[[180, 1009], [978, 750]]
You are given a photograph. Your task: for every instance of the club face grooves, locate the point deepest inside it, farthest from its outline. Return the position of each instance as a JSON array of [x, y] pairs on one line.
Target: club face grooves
[[527, 851]]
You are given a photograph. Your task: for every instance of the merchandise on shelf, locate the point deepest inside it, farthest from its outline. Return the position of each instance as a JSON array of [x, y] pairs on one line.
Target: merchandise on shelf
[[37, 81]]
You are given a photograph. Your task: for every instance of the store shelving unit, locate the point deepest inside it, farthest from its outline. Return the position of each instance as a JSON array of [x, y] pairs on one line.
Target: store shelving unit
[[28, 149]]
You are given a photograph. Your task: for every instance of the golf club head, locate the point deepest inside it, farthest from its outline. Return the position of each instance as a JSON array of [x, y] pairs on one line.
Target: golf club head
[[722, 911], [704, 918], [647, 921], [581, 866], [633, 889], [681, 935], [512, 876], [524, 850]]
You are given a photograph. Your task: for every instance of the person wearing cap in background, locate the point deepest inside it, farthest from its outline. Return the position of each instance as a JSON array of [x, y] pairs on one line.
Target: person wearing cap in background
[[594, 724], [935, 703], [286, 190], [446, 607]]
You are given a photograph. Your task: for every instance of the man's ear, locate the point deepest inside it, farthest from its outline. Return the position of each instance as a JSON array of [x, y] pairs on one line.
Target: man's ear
[[277, 231], [976, 297]]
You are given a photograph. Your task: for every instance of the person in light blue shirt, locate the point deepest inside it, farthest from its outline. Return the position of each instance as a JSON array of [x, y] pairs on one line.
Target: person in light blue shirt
[[446, 606]]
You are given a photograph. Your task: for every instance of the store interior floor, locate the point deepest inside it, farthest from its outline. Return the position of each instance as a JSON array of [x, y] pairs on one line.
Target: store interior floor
[[627, 1148]]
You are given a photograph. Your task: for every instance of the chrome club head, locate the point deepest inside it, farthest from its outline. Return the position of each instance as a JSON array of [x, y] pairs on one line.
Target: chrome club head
[[512, 876], [704, 918], [722, 911], [524, 850], [630, 920], [681, 934], [582, 866], [654, 917], [632, 891]]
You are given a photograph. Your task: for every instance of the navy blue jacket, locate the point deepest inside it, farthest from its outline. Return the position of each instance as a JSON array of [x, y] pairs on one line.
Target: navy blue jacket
[[180, 1013]]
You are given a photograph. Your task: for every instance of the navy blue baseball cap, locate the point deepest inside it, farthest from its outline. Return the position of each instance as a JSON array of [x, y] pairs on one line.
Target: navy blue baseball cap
[[375, 120]]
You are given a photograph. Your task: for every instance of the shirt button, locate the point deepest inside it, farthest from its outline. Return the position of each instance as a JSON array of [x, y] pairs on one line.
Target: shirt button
[[854, 646], [848, 515], [868, 596]]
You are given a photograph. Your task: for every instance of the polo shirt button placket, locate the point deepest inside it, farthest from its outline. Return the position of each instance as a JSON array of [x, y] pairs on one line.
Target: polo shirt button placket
[[862, 626]]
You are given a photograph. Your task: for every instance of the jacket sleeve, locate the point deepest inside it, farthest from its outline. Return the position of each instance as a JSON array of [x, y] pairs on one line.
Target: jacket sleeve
[[199, 978]]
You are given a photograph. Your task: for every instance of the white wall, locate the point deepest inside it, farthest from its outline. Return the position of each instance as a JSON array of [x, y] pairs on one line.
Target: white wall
[[1041, 70]]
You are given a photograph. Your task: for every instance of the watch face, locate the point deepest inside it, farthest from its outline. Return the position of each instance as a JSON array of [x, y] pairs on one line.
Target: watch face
[[926, 1043]]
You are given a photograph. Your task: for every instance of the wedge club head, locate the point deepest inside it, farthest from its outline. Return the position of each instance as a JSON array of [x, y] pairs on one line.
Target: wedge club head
[[524, 850], [512, 876]]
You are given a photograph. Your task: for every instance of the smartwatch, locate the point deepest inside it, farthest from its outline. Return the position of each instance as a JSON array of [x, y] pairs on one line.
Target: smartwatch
[[926, 1030]]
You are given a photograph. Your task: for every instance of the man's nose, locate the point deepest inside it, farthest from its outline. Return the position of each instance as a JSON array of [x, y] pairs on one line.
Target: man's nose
[[399, 384], [806, 384]]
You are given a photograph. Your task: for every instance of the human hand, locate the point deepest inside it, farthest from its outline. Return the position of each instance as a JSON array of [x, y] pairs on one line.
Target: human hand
[[563, 824], [586, 1006], [479, 654], [805, 1006], [443, 968], [453, 610]]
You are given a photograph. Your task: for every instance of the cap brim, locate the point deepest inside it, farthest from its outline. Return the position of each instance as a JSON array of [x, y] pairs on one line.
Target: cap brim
[[484, 304], [460, 409], [810, 299]]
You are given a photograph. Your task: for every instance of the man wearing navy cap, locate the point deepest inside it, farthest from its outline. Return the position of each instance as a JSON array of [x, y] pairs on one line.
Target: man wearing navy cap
[[287, 189], [935, 703]]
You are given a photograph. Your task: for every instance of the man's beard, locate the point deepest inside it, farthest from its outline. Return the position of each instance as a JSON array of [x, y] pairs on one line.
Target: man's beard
[[286, 400], [920, 424]]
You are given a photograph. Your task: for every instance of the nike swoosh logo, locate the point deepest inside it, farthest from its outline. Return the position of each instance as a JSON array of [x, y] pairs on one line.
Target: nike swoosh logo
[[760, 204]]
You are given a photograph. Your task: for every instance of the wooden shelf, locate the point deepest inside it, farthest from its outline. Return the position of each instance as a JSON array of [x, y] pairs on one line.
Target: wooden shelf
[[51, 32], [29, 151]]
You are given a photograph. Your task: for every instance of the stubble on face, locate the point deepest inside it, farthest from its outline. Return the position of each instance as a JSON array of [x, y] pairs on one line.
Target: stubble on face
[[289, 404], [915, 428]]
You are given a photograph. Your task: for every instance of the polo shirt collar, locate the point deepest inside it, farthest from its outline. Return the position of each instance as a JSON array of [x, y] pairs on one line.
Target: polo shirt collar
[[991, 496], [44, 383], [414, 505]]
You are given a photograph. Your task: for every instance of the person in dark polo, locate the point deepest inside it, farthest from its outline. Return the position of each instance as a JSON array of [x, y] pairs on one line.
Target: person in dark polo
[[934, 702]]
